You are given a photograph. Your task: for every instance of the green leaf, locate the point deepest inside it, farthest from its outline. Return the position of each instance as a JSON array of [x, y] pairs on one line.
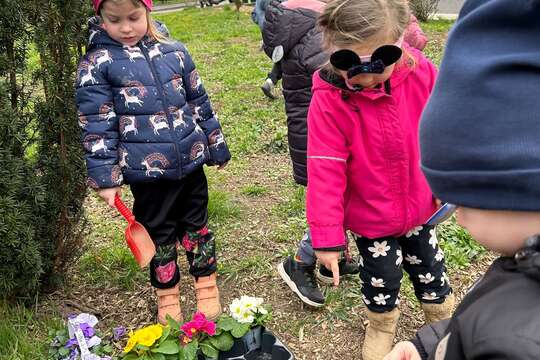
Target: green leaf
[[166, 332], [189, 351], [173, 324], [130, 356], [223, 342], [157, 356], [167, 347], [240, 330], [63, 351], [209, 350], [227, 323]]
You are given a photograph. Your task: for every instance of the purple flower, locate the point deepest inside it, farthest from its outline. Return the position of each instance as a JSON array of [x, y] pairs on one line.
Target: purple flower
[[118, 333], [74, 354], [87, 330], [71, 342]]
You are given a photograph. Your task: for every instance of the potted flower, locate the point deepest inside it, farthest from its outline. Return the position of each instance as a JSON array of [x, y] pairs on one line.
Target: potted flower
[[153, 342], [202, 336], [81, 336]]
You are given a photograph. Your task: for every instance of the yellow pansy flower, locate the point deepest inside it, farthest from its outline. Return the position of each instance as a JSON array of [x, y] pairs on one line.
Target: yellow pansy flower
[[131, 342], [148, 335]]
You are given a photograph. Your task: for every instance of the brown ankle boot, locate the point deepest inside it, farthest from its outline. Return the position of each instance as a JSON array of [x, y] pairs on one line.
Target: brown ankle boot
[[169, 304], [379, 336], [208, 296], [436, 312]]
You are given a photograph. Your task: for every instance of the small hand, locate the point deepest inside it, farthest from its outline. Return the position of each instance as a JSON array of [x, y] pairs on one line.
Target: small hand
[[404, 350], [108, 194], [330, 260], [222, 166]]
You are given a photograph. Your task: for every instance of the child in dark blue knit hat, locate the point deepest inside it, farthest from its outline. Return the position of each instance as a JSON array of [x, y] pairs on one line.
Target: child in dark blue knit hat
[[481, 150]]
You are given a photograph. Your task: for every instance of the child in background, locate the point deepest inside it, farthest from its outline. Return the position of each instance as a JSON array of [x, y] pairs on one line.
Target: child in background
[[363, 163], [258, 17], [479, 146], [147, 122]]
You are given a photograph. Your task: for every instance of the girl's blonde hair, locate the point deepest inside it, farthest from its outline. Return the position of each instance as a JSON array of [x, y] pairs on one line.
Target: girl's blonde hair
[[350, 22], [152, 31]]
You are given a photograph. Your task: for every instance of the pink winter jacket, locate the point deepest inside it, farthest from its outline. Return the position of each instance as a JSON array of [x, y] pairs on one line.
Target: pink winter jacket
[[363, 157]]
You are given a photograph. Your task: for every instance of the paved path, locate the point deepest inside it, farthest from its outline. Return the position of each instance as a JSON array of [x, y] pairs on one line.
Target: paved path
[[162, 9], [450, 6], [447, 8]]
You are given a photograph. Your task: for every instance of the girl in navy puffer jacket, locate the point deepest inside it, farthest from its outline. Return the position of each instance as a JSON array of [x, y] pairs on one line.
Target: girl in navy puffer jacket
[[147, 121]]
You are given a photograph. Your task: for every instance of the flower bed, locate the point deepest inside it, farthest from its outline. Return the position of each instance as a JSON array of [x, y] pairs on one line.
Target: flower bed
[[237, 335]]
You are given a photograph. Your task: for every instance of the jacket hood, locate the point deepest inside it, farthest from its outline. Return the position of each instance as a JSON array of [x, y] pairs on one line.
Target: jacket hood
[[288, 22], [98, 37]]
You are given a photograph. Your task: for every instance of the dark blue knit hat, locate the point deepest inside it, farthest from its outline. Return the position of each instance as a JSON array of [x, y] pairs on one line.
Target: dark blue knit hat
[[480, 132]]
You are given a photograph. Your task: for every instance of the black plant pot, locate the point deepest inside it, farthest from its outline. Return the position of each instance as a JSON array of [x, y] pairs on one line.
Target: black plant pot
[[258, 344]]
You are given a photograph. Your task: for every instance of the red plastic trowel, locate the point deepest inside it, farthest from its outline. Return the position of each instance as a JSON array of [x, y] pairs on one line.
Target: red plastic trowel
[[137, 238]]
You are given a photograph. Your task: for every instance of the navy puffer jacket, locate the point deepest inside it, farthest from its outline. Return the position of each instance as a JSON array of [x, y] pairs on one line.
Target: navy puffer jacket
[[291, 25], [144, 112]]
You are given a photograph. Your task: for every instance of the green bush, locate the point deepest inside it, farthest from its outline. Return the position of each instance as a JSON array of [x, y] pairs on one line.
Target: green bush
[[42, 183]]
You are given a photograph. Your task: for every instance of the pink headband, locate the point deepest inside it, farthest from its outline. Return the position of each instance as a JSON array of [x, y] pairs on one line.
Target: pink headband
[[97, 4]]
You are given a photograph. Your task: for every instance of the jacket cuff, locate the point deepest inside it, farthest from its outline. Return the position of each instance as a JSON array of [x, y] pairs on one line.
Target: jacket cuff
[[327, 237], [219, 153], [104, 177], [335, 248]]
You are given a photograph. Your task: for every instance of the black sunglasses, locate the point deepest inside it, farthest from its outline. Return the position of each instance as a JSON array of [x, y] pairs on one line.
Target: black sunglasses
[[348, 60]]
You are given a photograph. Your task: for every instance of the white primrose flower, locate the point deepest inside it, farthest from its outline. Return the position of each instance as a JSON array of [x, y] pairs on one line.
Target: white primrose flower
[[236, 309], [246, 318], [245, 308]]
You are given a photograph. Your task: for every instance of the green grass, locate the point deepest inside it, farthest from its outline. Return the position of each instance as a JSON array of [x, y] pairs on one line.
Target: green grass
[[111, 266], [439, 26], [436, 31], [254, 190], [221, 207], [226, 51], [23, 336], [459, 247]]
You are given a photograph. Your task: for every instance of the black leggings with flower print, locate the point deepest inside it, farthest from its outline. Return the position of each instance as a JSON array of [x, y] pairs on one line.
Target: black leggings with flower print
[[382, 262], [175, 213]]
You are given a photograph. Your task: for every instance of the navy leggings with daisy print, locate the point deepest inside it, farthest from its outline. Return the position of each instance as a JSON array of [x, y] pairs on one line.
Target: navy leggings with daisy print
[[382, 262]]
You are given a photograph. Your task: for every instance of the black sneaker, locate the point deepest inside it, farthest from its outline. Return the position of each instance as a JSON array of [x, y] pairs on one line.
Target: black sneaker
[[345, 268], [301, 280], [268, 89]]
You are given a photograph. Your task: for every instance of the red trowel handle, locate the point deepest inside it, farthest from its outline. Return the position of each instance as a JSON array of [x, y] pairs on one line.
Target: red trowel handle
[[123, 209]]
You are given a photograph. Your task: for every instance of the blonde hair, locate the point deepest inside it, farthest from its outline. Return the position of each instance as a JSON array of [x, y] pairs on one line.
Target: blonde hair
[[348, 22], [152, 31]]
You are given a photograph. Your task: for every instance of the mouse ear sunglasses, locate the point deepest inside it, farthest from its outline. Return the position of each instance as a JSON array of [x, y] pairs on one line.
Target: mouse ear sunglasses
[[347, 60]]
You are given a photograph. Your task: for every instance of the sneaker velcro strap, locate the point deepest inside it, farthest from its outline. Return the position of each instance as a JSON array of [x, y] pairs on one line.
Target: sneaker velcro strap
[[166, 301]]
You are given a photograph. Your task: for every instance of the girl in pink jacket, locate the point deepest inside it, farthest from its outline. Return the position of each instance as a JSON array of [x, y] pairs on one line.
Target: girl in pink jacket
[[363, 163]]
